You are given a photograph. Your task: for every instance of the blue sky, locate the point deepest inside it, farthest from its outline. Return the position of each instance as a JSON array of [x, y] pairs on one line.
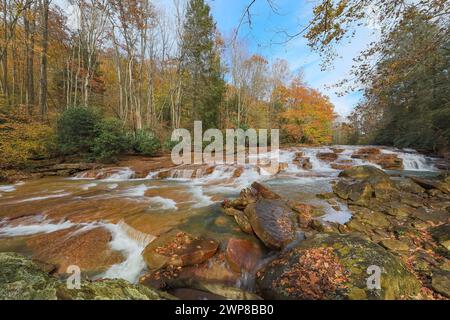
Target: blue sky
[[263, 35]]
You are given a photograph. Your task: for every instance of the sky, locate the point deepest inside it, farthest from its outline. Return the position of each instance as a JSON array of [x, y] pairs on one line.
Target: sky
[[263, 37]]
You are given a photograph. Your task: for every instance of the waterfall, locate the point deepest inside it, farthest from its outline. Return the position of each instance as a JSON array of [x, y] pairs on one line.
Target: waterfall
[[131, 243], [414, 161]]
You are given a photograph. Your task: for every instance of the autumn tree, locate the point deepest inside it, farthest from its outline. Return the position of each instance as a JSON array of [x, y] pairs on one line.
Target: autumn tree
[[307, 115]]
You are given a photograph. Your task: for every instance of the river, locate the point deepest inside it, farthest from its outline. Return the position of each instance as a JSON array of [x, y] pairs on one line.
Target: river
[[136, 210]]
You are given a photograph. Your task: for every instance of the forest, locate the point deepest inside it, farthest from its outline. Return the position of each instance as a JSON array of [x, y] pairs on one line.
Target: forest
[[113, 77]]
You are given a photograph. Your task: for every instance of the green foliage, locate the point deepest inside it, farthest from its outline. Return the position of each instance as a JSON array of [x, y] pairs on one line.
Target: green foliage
[[169, 144], [111, 140], [146, 143], [77, 130], [204, 85], [407, 97]]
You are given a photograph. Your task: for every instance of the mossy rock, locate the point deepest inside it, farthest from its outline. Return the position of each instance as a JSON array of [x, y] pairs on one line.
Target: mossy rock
[[334, 266], [23, 279]]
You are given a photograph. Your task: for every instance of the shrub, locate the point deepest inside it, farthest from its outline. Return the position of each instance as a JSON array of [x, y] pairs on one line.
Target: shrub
[[169, 144], [23, 139], [111, 140], [77, 130], [146, 143]]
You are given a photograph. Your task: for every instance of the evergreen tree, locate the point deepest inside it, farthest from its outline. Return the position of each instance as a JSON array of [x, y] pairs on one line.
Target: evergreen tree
[[201, 67]]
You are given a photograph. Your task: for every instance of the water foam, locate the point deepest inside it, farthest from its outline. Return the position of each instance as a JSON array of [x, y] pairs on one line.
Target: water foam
[[35, 228], [162, 203], [53, 196], [7, 188], [130, 242]]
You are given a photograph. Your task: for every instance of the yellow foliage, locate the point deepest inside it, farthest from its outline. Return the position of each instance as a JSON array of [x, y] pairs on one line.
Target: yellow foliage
[[22, 139]]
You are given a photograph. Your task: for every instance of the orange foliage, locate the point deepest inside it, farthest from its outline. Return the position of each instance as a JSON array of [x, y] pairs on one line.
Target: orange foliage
[[308, 114]]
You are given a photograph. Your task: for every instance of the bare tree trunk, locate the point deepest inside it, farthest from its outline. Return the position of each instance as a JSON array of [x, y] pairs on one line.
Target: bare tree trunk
[[29, 52], [5, 50], [44, 43]]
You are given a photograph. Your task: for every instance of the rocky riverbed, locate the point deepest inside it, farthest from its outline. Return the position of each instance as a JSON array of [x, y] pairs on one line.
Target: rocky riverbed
[[309, 230]]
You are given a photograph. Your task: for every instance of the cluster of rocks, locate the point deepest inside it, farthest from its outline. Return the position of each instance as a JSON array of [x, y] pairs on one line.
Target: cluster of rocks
[[409, 217], [302, 161], [325, 262], [389, 161]]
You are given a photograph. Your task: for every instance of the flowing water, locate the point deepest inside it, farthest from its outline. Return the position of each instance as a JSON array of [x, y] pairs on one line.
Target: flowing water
[[135, 211]]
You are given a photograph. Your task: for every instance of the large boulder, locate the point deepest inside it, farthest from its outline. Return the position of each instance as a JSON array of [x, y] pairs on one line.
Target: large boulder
[[442, 235], [178, 249], [365, 186], [367, 173], [273, 222], [440, 282], [23, 279], [334, 266]]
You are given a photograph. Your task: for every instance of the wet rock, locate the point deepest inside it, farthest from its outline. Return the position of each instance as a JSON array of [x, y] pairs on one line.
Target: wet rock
[[102, 173], [366, 173], [365, 186], [178, 249], [243, 222], [427, 184], [90, 250], [367, 151], [409, 186], [337, 150], [327, 156], [358, 193], [272, 221], [433, 216], [243, 254], [401, 211], [272, 169], [232, 211], [264, 192], [333, 266], [305, 213], [440, 282], [163, 174], [394, 245], [22, 279], [368, 217], [215, 270], [442, 235], [341, 166], [238, 172], [302, 162], [62, 169], [388, 161]]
